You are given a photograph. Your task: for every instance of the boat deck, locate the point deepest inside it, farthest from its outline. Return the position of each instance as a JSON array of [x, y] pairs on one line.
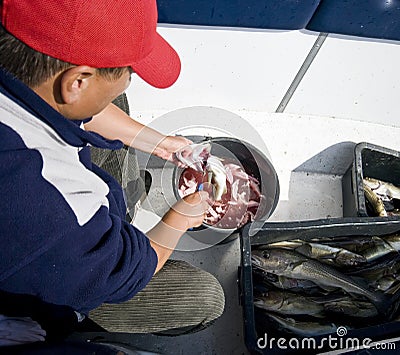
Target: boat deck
[[303, 98], [310, 156]]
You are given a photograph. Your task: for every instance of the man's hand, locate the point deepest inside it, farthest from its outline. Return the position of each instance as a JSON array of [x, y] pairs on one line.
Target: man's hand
[[188, 212], [184, 214]]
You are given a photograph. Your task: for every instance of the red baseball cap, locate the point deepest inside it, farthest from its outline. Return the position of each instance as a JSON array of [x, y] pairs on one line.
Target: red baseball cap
[[98, 33]]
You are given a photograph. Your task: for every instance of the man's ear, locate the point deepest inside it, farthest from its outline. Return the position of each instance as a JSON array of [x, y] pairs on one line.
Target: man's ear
[[74, 82]]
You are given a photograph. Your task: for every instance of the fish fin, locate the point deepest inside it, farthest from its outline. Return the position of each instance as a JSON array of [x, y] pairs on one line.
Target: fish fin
[[304, 249], [297, 263]]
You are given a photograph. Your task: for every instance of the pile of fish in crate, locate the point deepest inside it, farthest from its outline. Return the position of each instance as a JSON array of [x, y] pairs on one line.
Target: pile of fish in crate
[[310, 287], [381, 198]]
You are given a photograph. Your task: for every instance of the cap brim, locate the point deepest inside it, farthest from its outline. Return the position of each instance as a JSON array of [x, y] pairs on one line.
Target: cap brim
[[161, 67]]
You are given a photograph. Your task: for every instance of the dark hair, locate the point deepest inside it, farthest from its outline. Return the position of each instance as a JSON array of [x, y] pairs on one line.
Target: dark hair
[[33, 67]]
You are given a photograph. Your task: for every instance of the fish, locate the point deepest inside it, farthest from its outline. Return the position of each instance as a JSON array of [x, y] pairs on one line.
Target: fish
[[306, 329], [372, 248], [285, 244], [387, 266], [382, 195], [385, 190], [287, 303], [323, 252], [265, 280], [385, 283], [375, 201], [380, 248], [292, 264], [354, 244]]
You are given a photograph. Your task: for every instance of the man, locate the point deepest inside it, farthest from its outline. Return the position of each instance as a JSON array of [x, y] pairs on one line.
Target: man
[[64, 238]]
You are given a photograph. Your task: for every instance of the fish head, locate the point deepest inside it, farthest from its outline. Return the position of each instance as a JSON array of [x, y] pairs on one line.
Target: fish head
[[271, 299], [277, 260], [272, 260]]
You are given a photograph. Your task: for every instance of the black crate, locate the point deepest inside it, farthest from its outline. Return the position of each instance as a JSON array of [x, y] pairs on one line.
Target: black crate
[[276, 231], [369, 161]]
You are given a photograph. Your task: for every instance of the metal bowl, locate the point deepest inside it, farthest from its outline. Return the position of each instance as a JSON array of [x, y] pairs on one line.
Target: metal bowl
[[255, 163]]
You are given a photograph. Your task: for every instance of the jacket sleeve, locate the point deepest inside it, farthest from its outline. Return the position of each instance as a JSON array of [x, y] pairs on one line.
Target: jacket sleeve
[[64, 237]]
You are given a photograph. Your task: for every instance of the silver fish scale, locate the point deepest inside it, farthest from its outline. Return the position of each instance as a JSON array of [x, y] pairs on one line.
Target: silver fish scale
[[324, 275], [291, 264]]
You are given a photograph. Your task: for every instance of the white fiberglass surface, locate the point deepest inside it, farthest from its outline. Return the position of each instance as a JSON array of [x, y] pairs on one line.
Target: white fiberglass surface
[[353, 79], [235, 70], [251, 70]]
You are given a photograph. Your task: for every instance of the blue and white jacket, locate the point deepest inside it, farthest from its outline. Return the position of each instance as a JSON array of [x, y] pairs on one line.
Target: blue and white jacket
[[63, 234]]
